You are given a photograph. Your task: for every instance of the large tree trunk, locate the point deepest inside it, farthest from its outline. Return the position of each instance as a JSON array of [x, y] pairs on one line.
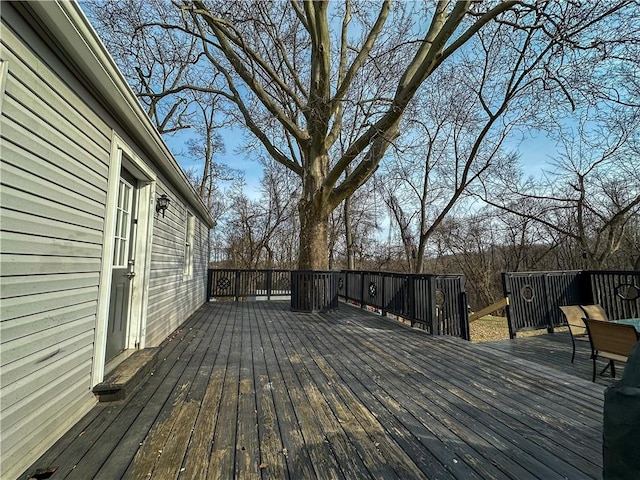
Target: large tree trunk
[[314, 221], [314, 212], [348, 232]]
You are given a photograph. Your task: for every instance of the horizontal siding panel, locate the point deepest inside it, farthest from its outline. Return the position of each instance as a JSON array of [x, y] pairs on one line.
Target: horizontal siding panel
[[39, 264], [166, 267], [22, 347], [158, 283], [171, 272], [170, 238], [40, 79], [21, 307], [31, 245], [37, 284], [40, 132], [54, 151], [16, 221], [167, 312], [168, 251], [60, 115], [21, 201], [23, 326], [29, 364], [165, 322], [28, 393], [41, 185], [64, 406]]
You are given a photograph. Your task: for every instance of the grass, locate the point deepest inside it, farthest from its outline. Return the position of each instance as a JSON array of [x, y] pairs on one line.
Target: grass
[[490, 329]]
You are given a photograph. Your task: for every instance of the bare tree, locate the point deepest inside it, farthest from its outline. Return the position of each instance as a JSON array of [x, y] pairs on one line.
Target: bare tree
[[260, 232], [295, 64], [591, 194], [163, 70], [290, 71]]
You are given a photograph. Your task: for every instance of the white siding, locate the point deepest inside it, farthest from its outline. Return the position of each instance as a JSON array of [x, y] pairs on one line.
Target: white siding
[[54, 171], [172, 296], [55, 154]]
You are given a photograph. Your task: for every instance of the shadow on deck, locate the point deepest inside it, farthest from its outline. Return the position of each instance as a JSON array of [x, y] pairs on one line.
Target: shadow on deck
[[252, 390], [554, 351]]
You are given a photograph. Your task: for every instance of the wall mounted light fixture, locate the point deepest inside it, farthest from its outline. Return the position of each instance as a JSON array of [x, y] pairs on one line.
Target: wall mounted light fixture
[[162, 203]]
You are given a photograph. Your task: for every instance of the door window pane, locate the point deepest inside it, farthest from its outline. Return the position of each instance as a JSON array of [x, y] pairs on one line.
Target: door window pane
[[123, 220]]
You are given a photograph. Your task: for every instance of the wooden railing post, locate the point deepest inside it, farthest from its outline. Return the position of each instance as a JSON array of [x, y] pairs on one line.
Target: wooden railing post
[[236, 287], [411, 297], [209, 283], [463, 313], [433, 306], [383, 303], [506, 288]]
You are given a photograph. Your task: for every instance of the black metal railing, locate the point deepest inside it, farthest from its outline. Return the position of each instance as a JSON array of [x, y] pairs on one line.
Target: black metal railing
[[248, 284], [435, 303], [534, 297], [314, 291]]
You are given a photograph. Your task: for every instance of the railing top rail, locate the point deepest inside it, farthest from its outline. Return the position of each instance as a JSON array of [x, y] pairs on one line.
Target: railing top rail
[[249, 269], [404, 274], [539, 272], [369, 272], [614, 272], [314, 271]]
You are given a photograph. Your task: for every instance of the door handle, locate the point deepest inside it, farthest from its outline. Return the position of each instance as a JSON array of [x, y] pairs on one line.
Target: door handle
[[131, 273]]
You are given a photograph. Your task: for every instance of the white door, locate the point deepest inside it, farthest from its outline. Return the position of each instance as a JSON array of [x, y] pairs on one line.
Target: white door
[[122, 267]]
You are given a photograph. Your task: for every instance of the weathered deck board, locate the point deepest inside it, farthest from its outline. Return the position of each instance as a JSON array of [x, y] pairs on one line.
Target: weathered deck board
[[252, 390], [554, 351]]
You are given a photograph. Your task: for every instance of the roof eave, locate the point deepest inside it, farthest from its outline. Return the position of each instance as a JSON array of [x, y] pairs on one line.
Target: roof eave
[[71, 28]]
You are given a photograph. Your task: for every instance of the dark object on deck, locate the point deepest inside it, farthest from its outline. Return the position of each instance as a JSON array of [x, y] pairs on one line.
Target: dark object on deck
[[43, 473], [314, 291], [622, 423]]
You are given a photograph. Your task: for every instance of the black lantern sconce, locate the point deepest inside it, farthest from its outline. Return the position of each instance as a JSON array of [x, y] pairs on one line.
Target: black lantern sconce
[[162, 203]]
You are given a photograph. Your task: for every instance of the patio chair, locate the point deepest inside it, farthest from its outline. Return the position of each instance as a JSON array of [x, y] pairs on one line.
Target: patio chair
[[610, 341], [577, 329], [595, 312]]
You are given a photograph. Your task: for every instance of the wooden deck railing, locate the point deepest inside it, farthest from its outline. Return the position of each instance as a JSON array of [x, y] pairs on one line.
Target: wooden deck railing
[[535, 297], [435, 303]]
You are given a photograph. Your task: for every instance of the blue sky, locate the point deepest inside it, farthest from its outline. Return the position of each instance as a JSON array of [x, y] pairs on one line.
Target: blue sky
[[233, 140], [535, 152]]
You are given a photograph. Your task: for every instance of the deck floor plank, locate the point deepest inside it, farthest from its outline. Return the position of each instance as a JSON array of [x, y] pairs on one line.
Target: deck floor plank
[[421, 425], [147, 432], [176, 422], [509, 407], [247, 439], [308, 409], [252, 390], [272, 459], [223, 452], [423, 395], [75, 447], [337, 424], [196, 462], [465, 403], [295, 453], [358, 423]]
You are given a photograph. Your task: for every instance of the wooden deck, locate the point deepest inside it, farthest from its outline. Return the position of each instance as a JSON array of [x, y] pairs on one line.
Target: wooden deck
[[252, 390], [554, 351]]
